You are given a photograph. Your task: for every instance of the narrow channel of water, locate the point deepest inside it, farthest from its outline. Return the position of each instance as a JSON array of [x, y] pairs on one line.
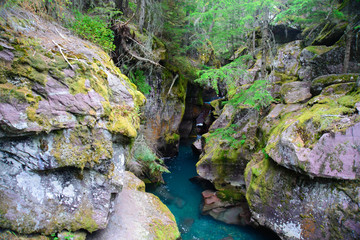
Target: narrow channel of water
[[183, 198]]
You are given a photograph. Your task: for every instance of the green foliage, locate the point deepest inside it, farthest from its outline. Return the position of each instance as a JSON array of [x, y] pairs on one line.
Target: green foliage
[[227, 74], [54, 237], [143, 161], [256, 96], [106, 11], [139, 79], [228, 134], [93, 28]]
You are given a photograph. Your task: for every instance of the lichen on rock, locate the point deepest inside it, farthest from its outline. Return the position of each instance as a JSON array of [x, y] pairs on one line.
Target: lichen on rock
[[65, 125]]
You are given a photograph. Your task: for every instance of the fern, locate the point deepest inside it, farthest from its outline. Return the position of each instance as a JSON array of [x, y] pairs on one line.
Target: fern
[[228, 134], [227, 74], [256, 96], [139, 79]]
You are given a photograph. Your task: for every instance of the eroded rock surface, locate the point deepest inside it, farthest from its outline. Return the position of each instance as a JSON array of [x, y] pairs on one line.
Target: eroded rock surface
[[138, 215], [64, 128]]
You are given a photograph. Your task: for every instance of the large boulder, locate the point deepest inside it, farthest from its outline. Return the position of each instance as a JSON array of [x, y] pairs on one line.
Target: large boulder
[[298, 207], [138, 215], [227, 150], [295, 92], [65, 125], [322, 139], [323, 60]]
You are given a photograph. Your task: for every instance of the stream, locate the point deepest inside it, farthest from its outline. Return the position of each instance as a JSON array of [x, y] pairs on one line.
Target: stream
[[183, 198]]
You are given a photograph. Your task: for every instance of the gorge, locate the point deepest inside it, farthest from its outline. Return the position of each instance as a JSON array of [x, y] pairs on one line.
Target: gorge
[[91, 125]]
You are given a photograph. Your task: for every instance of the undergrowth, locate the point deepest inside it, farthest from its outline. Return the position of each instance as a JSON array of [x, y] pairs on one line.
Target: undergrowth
[[256, 96], [139, 79], [228, 134], [143, 162], [94, 29]]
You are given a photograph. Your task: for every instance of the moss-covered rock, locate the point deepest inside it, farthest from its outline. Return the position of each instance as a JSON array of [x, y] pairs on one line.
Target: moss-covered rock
[[227, 151], [65, 124], [319, 83], [297, 207], [323, 60], [320, 139]]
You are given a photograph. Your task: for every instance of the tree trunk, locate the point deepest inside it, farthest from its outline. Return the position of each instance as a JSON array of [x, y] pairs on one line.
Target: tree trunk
[[264, 47], [349, 36], [253, 43], [142, 15], [264, 41]]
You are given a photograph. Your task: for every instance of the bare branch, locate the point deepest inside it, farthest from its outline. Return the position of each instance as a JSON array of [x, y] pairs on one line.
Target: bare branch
[[60, 49]]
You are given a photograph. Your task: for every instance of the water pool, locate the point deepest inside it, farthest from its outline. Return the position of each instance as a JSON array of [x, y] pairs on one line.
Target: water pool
[[183, 198]]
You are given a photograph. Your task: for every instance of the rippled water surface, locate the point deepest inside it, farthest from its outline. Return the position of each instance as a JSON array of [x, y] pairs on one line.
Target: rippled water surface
[[184, 199]]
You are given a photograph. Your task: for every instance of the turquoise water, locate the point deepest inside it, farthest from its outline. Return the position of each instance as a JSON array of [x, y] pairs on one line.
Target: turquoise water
[[183, 198]]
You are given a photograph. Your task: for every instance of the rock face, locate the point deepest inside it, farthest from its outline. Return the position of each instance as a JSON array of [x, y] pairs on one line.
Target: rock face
[[300, 157], [64, 129], [223, 158], [297, 207], [138, 215], [225, 211]]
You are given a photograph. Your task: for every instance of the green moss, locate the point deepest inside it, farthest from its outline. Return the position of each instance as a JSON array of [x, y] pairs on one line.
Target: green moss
[[284, 78], [82, 146], [333, 79], [172, 138], [124, 120], [10, 92], [84, 218], [319, 50], [323, 115], [340, 88], [230, 193], [28, 72], [347, 101]]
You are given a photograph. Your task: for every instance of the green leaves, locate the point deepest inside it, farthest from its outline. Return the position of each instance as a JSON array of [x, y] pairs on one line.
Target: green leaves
[[94, 29], [256, 96], [139, 79], [228, 134], [227, 74]]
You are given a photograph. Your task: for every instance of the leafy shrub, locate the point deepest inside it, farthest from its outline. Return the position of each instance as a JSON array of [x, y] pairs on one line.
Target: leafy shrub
[[256, 96], [139, 79], [94, 29], [228, 134], [143, 162], [227, 74]]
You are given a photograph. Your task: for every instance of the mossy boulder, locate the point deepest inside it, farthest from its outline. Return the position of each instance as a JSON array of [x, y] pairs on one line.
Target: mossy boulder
[[323, 60], [65, 125], [228, 149], [43, 91], [295, 92], [320, 140], [287, 59], [298, 207], [319, 83]]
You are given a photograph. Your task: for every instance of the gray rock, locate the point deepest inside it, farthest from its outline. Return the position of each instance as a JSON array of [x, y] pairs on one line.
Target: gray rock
[[295, 92], [139, 215]]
